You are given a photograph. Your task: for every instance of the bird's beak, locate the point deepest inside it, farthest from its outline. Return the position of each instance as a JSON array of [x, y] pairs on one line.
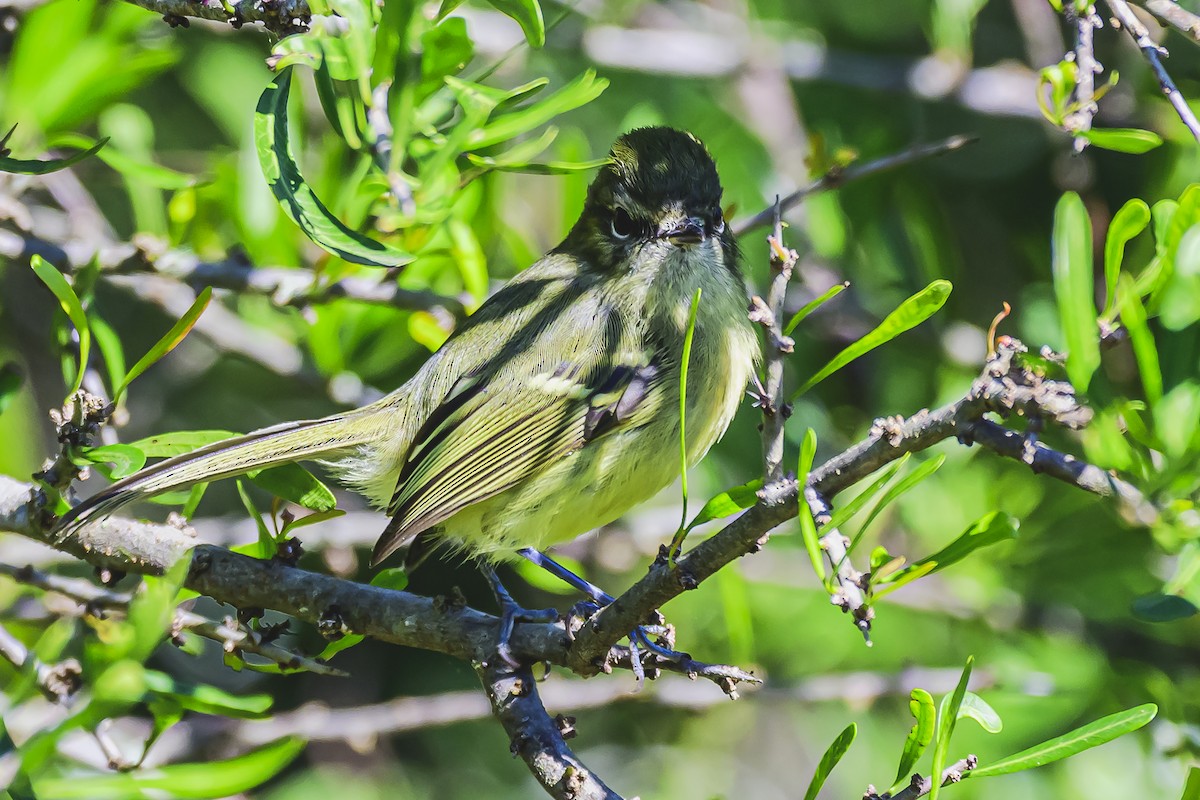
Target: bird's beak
[[689, 230]]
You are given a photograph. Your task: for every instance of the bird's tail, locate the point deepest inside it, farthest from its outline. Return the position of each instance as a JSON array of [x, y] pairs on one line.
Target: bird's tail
[[292, 441]]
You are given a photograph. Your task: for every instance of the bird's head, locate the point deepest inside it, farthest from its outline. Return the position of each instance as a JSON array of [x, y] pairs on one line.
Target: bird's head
[[659, 190]]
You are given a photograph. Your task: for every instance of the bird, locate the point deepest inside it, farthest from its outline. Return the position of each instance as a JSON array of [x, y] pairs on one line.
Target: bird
[[554, 407]]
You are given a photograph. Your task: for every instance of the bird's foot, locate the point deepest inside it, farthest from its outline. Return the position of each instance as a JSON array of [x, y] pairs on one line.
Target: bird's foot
[[510, 614]]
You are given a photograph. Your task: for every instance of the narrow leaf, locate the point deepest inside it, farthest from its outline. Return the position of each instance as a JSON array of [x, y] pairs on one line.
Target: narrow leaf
[[584, 89], [205, 699], [1192, 790], [266, 542], [528, 14], [920, 704], [165, 445], [813, 305], [1071, 256], [1092, 735], [901, 486], [682, 531], [728, 502], [197, 781], [294, 483], [1123, 140], [845, 512], [35, 167], [976, 708], [296, 197], [169, 341], [912, 312], [990, 529], [947, 718], [1145, 350], [808, 526], [830, 760], [1129, 221], [148, 172], [69, 301]]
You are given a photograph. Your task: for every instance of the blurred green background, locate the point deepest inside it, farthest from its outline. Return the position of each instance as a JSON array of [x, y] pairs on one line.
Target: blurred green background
[[774, 89]]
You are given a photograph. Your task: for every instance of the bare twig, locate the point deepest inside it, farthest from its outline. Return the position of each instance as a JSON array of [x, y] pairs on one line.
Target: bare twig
[[777, 346], [919, 787], [280, 17], [1086, 69], [1153, 54], [538, 738], [58, 682], [840, 176], [1176, 16]]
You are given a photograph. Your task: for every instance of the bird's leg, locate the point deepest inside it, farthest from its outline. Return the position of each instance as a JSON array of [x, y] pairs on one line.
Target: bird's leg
[[600, 598], [511, 613]]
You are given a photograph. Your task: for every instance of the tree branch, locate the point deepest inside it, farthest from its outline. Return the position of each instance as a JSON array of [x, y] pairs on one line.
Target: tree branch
[[1153, 53], [280, 17], [1004, 387], [1176, 16], [535, 736]]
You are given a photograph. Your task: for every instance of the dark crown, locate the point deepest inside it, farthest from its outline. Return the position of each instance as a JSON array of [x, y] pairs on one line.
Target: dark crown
[[660, 166]]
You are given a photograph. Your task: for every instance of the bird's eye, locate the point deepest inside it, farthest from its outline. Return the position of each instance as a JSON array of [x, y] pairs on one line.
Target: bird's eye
[[622, 223], [718, 223]]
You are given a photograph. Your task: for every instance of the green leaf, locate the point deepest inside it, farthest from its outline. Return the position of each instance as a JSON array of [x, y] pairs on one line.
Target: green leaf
[[1127, 223], [312, 519], [110, 348], [165, 445], [295, 484], [728, 502], [344, 643], [1092, 735], [1145, 350], [685, 360], [844, 513], [584, 89], [11, 379], [205, 699], [528, 14], [265, 545], [830, 760], [150, 173], [35, 167], [395, 578], [912, 312], [813, 305], [894, 492], [1192, 790], [976, 708], [1071, 256], [536, 168], [947, 719], [1163, 608], [1123, 140], [125, 458], [169, 341], [69, 301], [808, 526], [920, 705], [296, 197], [198, 781], [990, 529]]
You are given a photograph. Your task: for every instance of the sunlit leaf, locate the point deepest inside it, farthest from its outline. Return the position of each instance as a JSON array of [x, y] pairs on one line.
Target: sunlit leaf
[[920, 705], [296, 197], [1123, 140], [976, 708], [727, 503], [528, 14], [165, 445], [912, 312], [584, 89], [198, 781], [843, 513], [808, 526], [69, 301], [1092, 735], [205, 699], [169, 341], [294, 483], [813, 305], [35, 167], [124, 458], [1129, 221], [947, 720], [830, 760], [989, 530], [1071, 246], [895, 491], [265, 546]]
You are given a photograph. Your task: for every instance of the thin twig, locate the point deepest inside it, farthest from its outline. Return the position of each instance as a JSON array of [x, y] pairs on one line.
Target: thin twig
[[1153, 54], [919, 786], [58, 682], [1086, 69], [1176, 16], [840, 176], [280, 17]]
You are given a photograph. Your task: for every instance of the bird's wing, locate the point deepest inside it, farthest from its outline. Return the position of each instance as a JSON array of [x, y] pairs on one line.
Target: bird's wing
[[481, 442]]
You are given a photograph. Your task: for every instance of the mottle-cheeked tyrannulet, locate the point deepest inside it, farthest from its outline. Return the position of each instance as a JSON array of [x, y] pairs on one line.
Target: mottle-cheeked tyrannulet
[[555, 407]]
